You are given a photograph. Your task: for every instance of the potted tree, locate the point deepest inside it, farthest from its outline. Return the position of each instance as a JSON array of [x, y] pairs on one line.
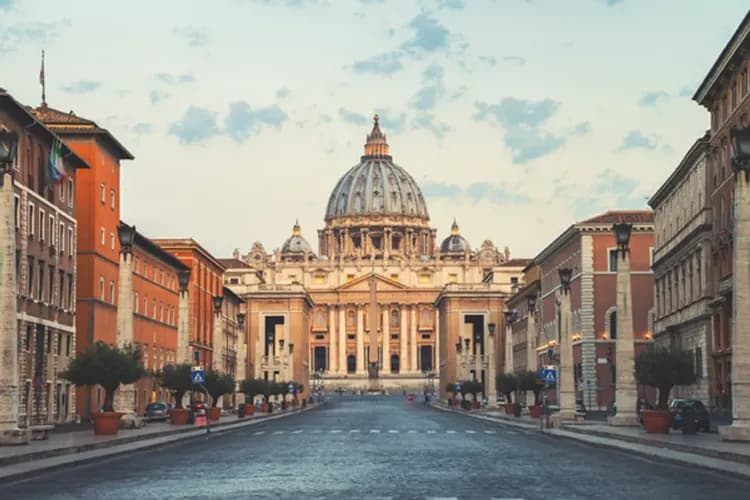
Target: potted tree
[[451, 390], [177, 379], [266, 389], [217, 385], [251, 388], [284, 391], [464, 390], [530, 381], [107, 366], [507, 384], [663, 369]]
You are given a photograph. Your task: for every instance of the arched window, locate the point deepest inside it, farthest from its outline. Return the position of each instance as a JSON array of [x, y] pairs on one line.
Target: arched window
[[394, 318]]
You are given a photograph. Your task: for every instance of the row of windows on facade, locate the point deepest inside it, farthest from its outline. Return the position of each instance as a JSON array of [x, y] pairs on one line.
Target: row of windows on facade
[[61, 341], [737, 90], [674, 211], [112, 196], [43, 227], [395, 315], [46, 284], [166, 314], [155, 357], [425, 356], [680, 285], [156, 274], [65, 190]]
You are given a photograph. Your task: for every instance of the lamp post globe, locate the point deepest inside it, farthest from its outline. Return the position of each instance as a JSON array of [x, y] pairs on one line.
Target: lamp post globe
[[241, 320], [8, 147], [218, 299], [741, 149], [565, 274], [622, 234], [491, 328], [126, 235]]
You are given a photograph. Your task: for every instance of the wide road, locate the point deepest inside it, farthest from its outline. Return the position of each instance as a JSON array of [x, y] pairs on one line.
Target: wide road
[[378, 447]]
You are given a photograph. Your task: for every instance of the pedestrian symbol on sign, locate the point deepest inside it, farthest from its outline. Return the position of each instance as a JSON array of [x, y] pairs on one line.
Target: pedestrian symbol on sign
[[549, 375], [198, 376]]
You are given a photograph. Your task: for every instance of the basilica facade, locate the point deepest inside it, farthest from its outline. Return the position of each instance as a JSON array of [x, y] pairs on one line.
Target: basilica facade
[[381, 303]]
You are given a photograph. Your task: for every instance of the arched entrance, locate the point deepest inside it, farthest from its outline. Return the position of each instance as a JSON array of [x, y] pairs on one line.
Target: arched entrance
[[320, 359], [395, 363], [351, 363]]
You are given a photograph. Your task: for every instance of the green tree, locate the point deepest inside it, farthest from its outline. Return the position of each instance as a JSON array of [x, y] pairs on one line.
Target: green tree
[[178, 380], [252, 387], [663, 368], [530, 381], [108, 366], [218, 384], [507, 383]]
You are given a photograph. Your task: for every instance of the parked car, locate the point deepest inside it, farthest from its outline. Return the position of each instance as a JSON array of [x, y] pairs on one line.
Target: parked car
[[156, 411], [683, 408], [500, 399]]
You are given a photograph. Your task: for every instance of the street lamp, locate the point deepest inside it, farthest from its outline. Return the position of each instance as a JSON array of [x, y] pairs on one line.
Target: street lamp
[[565, 274], [491, 328], [531, 303], [218, 299], [183, 278], [508, 317], [622, 236], [741, 150], [241, 320], [8, 146], [126, 235]]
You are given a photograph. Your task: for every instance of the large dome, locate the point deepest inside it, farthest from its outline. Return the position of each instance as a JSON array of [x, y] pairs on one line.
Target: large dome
[[376, 186]]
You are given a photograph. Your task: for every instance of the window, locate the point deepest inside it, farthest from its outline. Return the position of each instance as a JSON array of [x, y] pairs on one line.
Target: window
[[51, 284], [70, 241], [112, 241], [102, 236], [41, 282], [15, 213], [31, 220], [145, 305], [61, 238], [112, 292], [137, 304], [651, 256], [70, 192], [103, 193], [698, 362], [101, 288], [349, 277], [112, 198], [424, 278], [42, 225], [61, 288], [613, 325], [153, 308], [71, 304], [612, 264], [52, 232], [67, 344], [61, 192], [395, 318], [30, 282]]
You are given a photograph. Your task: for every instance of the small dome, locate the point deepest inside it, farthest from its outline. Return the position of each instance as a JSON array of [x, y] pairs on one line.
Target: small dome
[[455, 243], [296, 243]]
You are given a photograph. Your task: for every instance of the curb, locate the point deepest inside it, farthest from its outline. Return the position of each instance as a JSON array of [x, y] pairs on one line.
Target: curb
[[27, 466], [650, 450]]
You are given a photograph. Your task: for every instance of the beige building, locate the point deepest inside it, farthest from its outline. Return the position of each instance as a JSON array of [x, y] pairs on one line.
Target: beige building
[[371, 308], [681, 264]]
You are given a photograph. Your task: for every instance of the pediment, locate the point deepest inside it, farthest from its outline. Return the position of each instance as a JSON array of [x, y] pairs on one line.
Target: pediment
[[382, 284]]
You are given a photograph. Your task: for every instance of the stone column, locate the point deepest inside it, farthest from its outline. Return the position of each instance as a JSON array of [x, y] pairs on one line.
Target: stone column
[[125, 396], [9, 389], [436, 352], [626, 396], [332, 357], [508, 355], [220, 340], [491, 389], [531, 358], [403, 356], [386, 335], [413, 342], [360, 340], [565, 376], [342, 340], [739, 430], [183, 354]]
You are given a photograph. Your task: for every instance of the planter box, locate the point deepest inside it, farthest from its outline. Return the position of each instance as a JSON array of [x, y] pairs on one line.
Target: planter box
[[106, 423], [249, 410], [214, 414], [475, 405], [508, 407], [535, 411], [179, 416], [656, 421]]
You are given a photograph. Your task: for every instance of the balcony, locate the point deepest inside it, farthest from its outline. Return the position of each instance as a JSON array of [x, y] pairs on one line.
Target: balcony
[[469, 361], [274, 362]]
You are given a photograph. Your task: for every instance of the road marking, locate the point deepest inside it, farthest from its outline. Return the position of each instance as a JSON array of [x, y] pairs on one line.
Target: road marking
[[489, 432], [354, 430], [278, 432], [297, 431], [470, 431], [335, 431], [374, 431], [431, 431], [259, 433], [392, 431], [411, 431], [450, 432]]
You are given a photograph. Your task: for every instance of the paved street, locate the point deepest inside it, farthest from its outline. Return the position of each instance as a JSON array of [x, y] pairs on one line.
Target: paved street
[[378, 447]]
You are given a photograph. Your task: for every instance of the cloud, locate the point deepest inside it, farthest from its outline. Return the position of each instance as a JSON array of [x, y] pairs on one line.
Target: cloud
[[433, 189], [651, 99], [515, 60], [196, 125], [193, 37], [582, 128], [157, 96], [370, 2], [282, 93], [171, 79], [352, 117], [244, 121], [480, 191], [142, 128], [637, 140], [80, 87], [384, 64], [426, 121], [325, 118], [429, 35], [522, 121], [432, 90], [390, 120], [686, 91], [611, 3], [291, 3], [6, 4], [489, 60], [459, 92], [452, 4], [20, 35]]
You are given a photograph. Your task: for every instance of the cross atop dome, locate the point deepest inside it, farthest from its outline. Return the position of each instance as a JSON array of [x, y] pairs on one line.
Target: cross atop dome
[[376, 146], [454, 228]]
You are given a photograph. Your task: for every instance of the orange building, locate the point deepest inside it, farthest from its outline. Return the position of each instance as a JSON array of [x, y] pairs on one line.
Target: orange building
[[155, 314], [206, 282], [98, 201]]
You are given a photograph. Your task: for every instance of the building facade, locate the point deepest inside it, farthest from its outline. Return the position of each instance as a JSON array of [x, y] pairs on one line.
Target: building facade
[[364, 312], [589, 249], [725, 94], [38, 273], [97, 193], [206, 282], [523, 324], [682, 265]]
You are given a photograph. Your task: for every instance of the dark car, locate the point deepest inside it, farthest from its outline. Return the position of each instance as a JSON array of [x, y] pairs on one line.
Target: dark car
[[682, 409], [156, 411]]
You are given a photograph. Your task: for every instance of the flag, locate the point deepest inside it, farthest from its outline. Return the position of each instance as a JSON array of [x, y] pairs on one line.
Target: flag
[[55, 168]]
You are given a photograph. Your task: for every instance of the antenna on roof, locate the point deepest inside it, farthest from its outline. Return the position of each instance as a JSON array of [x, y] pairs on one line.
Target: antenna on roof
[[41, 82]]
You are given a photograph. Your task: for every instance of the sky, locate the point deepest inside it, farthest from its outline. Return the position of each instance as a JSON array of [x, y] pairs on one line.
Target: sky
[[516, 117]]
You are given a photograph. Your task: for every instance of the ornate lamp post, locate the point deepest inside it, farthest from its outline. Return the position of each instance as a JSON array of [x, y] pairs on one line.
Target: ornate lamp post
[[491, 389], [739, 430], [241, 362], [9, 390], [184, 354], [565, 380], [219, 337], [125, 396], [626, 396]]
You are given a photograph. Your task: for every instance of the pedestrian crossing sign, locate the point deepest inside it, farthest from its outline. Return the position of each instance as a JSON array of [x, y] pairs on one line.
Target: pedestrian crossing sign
[[549, 375], [198, 376]]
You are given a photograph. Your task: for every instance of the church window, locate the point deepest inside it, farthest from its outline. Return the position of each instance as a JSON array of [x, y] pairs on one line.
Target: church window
[[319, 279], [394, 318], [320, 319], [425, 317], [424, 278], [376, 242], [395, 242], [453, 278]]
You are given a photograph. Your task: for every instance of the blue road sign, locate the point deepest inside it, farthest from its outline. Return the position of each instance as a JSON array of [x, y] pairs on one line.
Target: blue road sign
[[198, 376], [457, 387], [549, 375]]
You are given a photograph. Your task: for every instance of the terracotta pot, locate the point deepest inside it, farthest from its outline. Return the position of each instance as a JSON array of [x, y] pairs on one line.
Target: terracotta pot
[[249, 410], [214, 414], [475, 405], [264, 407], [508, 407], [179, 416], [656, 421], [535, 411], [106, 423], [284, 405]]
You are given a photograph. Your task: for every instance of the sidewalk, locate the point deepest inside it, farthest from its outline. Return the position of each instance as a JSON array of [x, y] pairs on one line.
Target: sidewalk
[[82, 446], [702, 450]]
